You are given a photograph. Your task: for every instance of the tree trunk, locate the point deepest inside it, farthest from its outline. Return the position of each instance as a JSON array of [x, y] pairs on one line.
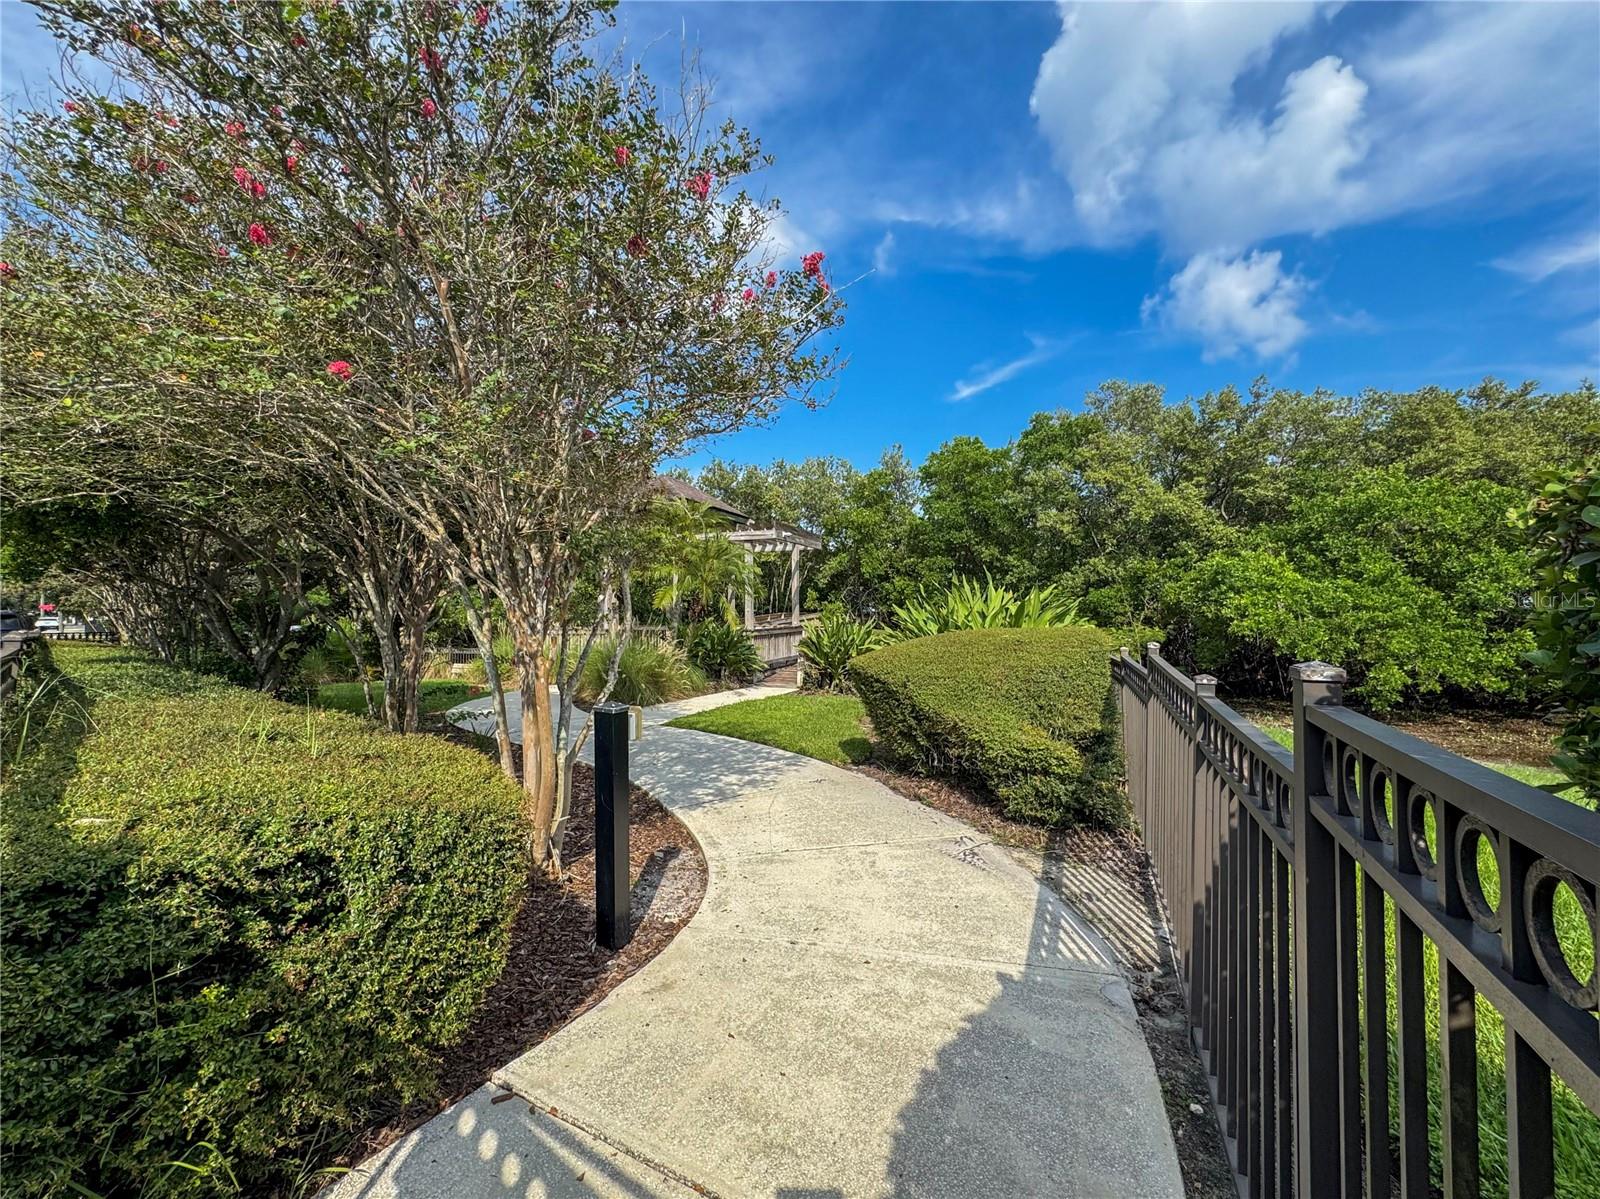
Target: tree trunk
[[538, 748], [481, 626], [353, 644], [390, 658], [414, 662]]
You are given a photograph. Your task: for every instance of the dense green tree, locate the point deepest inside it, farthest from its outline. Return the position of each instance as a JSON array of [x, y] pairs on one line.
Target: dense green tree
[[1252, 527], [1562, 525]]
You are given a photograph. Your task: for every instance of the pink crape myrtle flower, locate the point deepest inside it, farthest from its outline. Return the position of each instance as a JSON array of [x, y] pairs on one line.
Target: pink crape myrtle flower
[[716, 302], [298, 41], [7, 271], [70, 106], [429, 108], [429, 57], [622, 154], [221, 251], [290, 162], [341, 370], [637, 246], [749, 295], [259, 234], [811, 264], [772, 278], [160, 166], [234, 129], [699, 184], [480, 15]]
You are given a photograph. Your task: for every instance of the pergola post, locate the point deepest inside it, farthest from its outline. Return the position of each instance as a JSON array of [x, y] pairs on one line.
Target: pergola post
[[749, 590], [794, 580]]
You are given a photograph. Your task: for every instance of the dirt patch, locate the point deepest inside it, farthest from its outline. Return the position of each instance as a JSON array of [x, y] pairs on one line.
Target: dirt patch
[[1485, 736], [554, 970], [1107, 877]]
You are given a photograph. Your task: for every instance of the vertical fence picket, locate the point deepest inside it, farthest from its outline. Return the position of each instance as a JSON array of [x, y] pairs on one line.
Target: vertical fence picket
[[1284, 874]]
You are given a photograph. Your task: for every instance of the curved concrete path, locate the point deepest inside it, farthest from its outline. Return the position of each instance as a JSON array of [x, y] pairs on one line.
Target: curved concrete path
[[871, 1001]]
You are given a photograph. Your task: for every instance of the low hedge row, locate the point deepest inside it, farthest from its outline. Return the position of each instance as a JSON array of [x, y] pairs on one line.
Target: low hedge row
[[231, 928], [1024, 714]]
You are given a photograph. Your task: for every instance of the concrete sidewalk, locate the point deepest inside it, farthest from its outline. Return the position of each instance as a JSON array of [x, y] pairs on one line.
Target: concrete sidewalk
[[872, 1001]]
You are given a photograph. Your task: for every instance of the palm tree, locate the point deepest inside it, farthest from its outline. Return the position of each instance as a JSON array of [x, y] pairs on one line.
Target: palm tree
[[699, 568]]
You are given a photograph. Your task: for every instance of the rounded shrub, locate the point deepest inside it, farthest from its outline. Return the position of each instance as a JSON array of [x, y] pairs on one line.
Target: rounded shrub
[[232, 929], [1024, 714]]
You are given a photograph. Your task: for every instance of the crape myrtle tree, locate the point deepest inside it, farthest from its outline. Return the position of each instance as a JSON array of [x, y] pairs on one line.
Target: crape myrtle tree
[[507, 285], [146, 422]]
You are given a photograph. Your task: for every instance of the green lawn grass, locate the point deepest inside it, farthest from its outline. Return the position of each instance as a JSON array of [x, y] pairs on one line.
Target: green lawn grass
[[1577, 1130], [435, 695], [830, 728]]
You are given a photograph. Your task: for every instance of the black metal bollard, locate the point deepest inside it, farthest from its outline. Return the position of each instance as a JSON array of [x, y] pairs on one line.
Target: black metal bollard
[[612, 890]]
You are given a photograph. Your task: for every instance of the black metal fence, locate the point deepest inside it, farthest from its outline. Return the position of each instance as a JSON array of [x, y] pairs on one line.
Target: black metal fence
[[1301, 886], [96, 636]]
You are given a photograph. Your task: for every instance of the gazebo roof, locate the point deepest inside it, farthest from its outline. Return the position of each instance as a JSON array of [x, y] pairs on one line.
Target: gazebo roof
[[675, 488], [766, 537], [775, 537]]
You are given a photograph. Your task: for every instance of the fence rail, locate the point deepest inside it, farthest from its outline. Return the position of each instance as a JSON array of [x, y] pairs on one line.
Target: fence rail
[[1276, 865], [97, 637]]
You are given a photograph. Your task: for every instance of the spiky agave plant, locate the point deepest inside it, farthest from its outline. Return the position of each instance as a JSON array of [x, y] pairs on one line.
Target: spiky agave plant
[[969, 604], [828, 645]]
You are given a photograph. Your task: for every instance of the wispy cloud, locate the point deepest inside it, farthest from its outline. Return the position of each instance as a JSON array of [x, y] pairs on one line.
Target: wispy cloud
[[1538, 262], [883, 254], [984, 377]]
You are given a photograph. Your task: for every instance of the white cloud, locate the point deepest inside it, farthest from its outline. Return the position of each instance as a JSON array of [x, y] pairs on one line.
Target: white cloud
[[1215, 128], [1232, 304], [1538, 262], [882, 254], [984, 377], [1164, 119], [784, 242]]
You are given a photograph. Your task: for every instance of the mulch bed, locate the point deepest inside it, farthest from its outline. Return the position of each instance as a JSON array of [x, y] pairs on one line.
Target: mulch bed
[[1120, 861], [554, 971]]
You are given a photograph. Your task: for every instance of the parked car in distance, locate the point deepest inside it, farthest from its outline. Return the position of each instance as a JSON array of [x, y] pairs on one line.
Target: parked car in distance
[[47, 622], [14, 622]]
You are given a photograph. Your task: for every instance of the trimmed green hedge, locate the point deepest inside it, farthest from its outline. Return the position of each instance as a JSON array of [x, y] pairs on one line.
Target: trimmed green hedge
[[1024, 714], [231, 928]]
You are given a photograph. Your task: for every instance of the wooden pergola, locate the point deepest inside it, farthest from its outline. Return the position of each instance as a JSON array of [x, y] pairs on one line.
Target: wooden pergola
[[775, 538]]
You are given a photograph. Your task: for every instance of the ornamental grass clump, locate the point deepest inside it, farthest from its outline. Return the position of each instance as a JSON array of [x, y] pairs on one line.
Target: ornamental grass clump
[[650, 670], [233, 929]]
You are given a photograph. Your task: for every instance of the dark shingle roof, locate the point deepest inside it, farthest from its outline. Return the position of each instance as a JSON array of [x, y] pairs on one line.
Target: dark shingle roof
[[675, 488]]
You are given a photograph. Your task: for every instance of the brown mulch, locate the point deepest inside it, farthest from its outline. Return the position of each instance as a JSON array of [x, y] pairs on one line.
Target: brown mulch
[[1484, 735], [554, 970], [1103, 875]]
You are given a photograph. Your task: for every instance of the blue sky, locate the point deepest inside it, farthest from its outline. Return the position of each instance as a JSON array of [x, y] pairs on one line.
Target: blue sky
[[1025, 200]]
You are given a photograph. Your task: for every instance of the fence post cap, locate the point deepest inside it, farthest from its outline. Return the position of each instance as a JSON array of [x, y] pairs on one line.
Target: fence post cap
[[610, 707], [1317, 672], [1153, 646]]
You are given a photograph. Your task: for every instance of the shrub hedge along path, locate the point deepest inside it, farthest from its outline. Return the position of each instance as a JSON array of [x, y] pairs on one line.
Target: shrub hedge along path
[[872, 998], [280, 882], [232, 927]]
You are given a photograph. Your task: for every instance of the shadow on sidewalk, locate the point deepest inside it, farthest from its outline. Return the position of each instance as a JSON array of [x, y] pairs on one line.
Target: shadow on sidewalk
[[1049, 1090]]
